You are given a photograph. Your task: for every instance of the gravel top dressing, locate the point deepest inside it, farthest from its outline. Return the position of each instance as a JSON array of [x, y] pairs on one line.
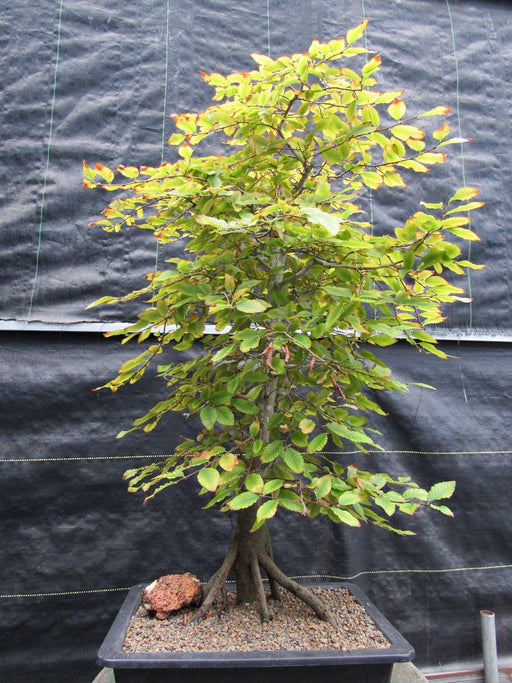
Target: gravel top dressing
[[234, 627]]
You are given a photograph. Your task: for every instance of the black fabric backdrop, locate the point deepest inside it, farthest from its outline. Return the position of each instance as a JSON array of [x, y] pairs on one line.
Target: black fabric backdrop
[[69, 525], [85, 79], [94, 80]]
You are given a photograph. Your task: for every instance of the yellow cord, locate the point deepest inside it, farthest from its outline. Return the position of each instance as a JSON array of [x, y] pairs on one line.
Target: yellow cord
[[168, 455], [304, 576]]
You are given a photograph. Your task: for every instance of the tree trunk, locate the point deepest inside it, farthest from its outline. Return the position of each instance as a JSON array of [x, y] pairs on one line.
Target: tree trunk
[[250, 545], [248, 550], [247, 553]]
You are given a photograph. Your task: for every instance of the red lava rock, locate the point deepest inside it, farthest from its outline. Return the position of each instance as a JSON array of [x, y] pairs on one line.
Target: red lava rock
[[170, 593]]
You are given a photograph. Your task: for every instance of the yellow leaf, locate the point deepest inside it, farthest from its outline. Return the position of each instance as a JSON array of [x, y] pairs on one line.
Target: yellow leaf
[[397, 109], [306, 426], [355, 33]]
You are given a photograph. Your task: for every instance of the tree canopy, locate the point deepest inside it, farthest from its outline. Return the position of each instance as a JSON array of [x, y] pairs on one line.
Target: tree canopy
[[301, 289]]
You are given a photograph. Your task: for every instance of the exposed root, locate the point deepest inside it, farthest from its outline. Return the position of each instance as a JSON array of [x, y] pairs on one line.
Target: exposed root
[[216, 583], [275, 593], [248, 551], [262, 600], [216, 586], [210, 583], [302, 593]]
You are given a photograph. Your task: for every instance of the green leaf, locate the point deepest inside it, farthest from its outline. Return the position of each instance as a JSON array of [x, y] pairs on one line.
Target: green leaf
[[298, 438], [443, 489], [257, 446], [455, 221], [225, 416], [233, 384], [243, 500], [303, 339], [208, 478], [465, 207], [385, 504], [408, 508], [317, 443], [211, 220], [349, 498], [443, 509], [338, 292], [371, 179], [251, 305], [432, 205], [319, 217], [334, 314], [405, 132], [128, 171], [345, 516], [102, 300], [208, 416], [323, 189], [89, 173], [278, 365], [176, 139], [437, 111], [433, 349], [422, 384], [464, 193], [431, 158], [250, 339], [267, 510], [271, 451], [323, 486], [105, 172], [228, 461], [336, 428], [356, 33], [290, 501], [294, 460], [254, 482], [245, 406], [254, 428], [219, 397], [465, 234], [222, 353], [272, 485], [382, 339]]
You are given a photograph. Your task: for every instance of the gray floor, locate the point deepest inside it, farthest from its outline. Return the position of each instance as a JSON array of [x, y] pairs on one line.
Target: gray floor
[[402, 673]]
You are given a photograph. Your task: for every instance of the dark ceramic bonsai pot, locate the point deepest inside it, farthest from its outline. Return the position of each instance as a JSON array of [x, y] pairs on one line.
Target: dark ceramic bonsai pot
[[300, 666]]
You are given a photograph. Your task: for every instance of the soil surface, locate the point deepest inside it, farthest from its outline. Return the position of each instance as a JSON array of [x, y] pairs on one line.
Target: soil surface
[[232, 627]]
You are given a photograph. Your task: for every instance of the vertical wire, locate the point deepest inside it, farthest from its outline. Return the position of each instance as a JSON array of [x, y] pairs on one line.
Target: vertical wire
[[45, 177], [457, 107], [164, 111], [370, 193], [268, 27]]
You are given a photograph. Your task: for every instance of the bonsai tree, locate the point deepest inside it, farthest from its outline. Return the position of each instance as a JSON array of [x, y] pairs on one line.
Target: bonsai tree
[[300, 289]]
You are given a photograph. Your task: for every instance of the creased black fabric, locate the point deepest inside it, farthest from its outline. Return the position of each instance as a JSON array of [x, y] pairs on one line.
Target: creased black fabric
[[71, 526], [112, 104]]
